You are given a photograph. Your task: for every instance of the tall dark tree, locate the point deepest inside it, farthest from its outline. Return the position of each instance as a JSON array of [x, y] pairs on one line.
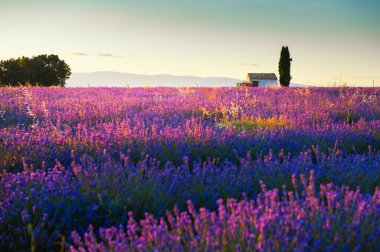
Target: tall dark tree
[[284, 67], [42, 70]]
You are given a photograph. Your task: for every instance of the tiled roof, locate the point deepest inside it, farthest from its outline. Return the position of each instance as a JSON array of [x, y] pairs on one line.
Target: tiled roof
[[262, 76]]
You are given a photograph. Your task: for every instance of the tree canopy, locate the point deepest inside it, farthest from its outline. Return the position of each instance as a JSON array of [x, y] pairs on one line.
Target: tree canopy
[[42, 70], [284, 67]]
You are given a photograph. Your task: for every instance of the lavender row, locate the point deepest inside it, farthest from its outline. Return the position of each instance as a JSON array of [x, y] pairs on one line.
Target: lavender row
[[302, 106], [44, 125], [54, 202], [333, 219]]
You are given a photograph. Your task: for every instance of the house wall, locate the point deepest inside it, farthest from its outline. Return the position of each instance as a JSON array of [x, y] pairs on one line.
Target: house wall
[[267, 83]]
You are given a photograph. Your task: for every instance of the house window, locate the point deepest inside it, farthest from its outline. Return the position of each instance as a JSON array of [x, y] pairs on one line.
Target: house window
[[255, 83]]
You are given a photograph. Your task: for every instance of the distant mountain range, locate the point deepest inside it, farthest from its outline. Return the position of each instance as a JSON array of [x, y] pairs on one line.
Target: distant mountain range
[[117, 79]]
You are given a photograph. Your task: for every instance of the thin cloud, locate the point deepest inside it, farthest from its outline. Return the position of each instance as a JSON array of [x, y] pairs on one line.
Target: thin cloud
[[79, 53], [96, 54], [108, 55], [249, 64]]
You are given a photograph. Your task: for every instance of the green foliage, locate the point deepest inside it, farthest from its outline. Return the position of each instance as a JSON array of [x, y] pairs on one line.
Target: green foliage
[[42, 70], [284, 67]]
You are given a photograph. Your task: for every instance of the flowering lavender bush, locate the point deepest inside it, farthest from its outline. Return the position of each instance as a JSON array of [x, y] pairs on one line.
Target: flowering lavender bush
[[45, 125], [104, 157], [335, 219]]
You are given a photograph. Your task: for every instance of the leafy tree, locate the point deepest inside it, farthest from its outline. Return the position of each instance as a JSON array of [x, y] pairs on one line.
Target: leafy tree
[[284, 67], [12, 71], [43, 70]]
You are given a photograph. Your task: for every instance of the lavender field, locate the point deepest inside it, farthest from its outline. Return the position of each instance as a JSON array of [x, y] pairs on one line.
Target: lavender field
[[189, 169]]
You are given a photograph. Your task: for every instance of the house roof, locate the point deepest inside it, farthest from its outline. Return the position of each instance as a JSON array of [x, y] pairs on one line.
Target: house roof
[[262, 76]]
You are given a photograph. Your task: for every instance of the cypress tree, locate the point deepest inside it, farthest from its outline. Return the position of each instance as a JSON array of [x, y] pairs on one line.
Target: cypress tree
[[284, 67]]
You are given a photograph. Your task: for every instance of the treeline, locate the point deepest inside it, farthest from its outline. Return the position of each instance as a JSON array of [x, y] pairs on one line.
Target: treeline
[[42, 70]]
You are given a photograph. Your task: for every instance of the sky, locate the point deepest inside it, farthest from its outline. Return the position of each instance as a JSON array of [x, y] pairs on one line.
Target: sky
[[330, 41]]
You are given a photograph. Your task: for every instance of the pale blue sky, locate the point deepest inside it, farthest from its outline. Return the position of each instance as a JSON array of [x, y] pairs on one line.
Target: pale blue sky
[[329, 40]]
